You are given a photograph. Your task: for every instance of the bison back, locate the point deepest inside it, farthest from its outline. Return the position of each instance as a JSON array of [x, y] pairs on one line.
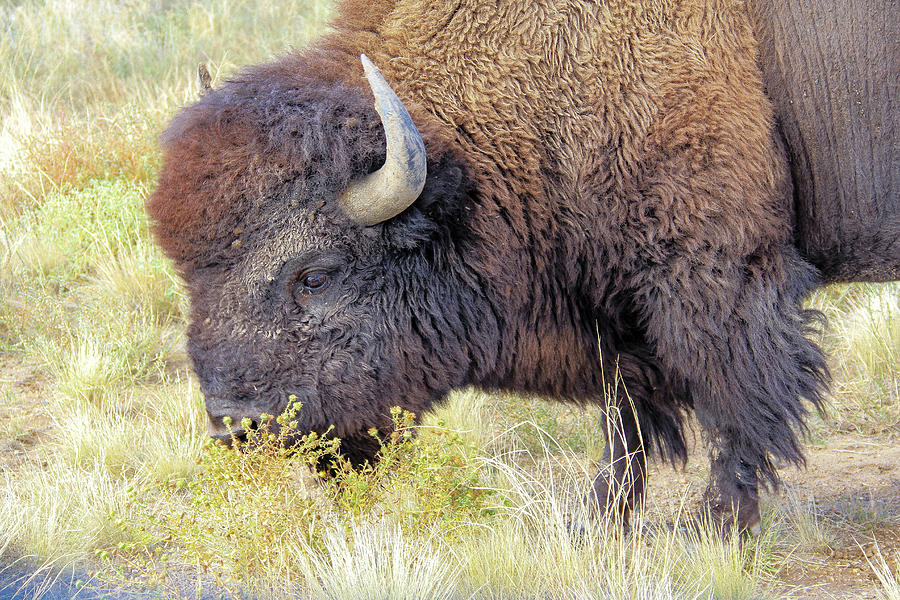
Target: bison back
[[830, 68]]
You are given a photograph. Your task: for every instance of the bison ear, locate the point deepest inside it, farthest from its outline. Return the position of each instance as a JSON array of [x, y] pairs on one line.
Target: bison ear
[[205, 79], [438, 209]]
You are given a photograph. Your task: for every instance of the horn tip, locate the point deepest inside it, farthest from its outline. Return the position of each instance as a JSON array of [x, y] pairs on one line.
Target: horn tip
[[368, 66]]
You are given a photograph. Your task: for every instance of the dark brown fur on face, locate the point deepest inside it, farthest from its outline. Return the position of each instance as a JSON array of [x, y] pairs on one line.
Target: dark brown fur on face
[[604, 180]]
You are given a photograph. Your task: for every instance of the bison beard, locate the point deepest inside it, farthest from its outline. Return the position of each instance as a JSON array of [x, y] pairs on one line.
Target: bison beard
[[641, 212]]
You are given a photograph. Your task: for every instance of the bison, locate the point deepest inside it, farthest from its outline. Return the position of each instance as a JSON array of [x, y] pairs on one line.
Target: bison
[[542, 196]]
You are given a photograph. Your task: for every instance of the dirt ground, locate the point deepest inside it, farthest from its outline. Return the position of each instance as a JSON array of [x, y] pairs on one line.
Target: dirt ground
[[24, 421], [848, 495], [855, 484]]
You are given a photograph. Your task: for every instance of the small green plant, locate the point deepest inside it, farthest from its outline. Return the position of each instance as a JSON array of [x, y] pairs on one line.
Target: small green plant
[[423, 476], [254, 512], [240, 517]]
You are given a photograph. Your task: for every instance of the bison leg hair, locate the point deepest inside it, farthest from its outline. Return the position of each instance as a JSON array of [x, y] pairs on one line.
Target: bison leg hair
[[619, 487], [644, 416], [733, 492], [737, 336]]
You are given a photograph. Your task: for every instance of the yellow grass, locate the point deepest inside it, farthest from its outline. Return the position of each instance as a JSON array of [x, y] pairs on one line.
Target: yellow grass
[[482, 503]]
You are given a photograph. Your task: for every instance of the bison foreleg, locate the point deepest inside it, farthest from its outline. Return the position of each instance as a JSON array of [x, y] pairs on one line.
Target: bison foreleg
[[619, 487], [736, 335], [732, 496]]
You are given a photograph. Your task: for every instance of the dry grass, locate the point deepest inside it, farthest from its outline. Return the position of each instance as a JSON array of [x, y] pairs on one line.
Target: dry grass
[[863, 342], [888, 575], [475, 506], [798, 524]]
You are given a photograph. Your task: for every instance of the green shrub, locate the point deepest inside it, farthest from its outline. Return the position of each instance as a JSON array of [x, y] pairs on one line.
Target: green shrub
[[259, 507]]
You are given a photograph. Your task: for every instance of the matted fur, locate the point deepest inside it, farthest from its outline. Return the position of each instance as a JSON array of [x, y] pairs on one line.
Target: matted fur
[[606, 196]]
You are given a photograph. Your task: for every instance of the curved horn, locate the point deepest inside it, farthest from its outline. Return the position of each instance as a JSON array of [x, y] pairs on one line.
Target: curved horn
[[388, 191]]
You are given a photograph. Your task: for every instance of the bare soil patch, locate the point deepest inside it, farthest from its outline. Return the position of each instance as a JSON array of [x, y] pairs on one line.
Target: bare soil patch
[[854, 483], [24, 419], [850, 489]]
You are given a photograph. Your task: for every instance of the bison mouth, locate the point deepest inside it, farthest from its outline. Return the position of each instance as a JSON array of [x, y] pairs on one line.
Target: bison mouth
[[230, 426], [223, 429], [324, 448]]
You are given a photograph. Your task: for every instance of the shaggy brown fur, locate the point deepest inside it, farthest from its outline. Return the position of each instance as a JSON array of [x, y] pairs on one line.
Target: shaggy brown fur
[[595, 169]]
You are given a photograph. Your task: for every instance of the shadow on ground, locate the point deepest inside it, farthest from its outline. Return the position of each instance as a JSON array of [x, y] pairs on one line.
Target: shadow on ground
[[21, 581]]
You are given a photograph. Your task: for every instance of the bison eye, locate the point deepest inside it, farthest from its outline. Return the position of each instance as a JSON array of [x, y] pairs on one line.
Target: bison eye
[[307, 278], [314, 282]]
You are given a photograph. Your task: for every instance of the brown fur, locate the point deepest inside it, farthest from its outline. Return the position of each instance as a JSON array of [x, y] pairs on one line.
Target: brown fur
[[595, 169]]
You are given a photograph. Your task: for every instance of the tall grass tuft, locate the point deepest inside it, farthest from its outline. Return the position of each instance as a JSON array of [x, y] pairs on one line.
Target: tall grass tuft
[[863, 343], [796, 522], [377, 560], [58, 513]]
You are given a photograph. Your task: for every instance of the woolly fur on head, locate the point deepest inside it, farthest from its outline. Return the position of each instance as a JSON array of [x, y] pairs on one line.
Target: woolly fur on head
[[254, 142]]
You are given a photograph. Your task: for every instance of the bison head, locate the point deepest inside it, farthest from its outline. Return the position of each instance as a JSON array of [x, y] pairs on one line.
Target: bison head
[[319, 259]]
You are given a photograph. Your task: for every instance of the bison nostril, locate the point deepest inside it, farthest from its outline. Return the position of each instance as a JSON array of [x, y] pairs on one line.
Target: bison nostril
[[219, 426], [225, 439], [228, 437]]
